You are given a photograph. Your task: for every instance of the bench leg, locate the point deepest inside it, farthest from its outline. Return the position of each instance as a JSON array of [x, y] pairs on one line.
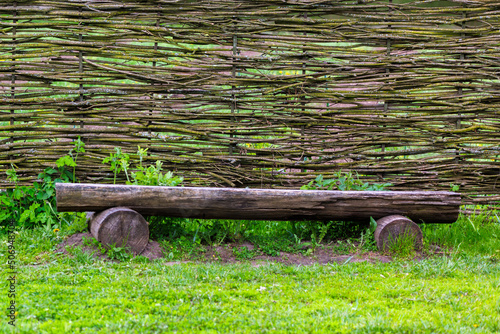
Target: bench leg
[[121, 227], [391, 228]]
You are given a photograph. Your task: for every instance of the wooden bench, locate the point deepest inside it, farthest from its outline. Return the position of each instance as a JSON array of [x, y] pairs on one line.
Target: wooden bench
[[119, 208]]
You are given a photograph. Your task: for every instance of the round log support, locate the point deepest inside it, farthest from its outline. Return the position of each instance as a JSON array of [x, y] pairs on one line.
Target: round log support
[[391, 228], [120, 227]]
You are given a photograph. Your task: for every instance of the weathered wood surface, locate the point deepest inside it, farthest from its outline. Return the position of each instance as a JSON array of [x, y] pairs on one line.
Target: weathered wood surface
[[120, 227], [261, 204], [391, 228]]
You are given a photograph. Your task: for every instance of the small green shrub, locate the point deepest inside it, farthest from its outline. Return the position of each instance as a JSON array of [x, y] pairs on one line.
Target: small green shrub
[[34, 205], [70, 159], [118, 161], [152, 175], [118, 253], [343, 181], [140, 174]]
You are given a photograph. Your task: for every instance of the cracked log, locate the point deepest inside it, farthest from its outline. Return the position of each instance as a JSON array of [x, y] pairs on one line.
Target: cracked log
[[120, 227], [261, 204], [392, 228]]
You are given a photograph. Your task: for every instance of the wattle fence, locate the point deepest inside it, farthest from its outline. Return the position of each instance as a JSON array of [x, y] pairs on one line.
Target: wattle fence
[[257, 93]]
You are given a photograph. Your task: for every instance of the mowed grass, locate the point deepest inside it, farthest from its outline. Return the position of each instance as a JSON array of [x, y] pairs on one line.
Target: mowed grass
[[439, 295], [458, 292]]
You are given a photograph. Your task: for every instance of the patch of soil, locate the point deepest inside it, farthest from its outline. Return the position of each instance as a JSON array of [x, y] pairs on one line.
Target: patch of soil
[[152, 251], [224, 254]]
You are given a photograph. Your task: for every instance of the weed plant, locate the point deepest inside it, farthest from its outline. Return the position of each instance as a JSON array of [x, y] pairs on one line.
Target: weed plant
[[34, 205], [112, 251]]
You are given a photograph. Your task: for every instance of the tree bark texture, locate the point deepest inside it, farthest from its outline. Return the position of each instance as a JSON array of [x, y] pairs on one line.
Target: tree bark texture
[[261, 204]]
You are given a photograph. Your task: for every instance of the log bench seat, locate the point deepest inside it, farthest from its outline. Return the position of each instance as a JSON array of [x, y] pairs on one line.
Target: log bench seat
[[118, 209]]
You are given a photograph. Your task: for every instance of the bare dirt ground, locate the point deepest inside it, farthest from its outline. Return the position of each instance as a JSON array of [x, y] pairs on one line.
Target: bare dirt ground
[[153, 249], [225, 254]]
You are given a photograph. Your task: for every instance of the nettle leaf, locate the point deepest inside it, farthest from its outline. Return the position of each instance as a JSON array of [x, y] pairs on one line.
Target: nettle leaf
[[4, 215], [18, 193], [65, 161], [27, 214], [44, 218], [66, 176], [6, 200], [373, 225], [45, 194], [50, 171], [12, 175]]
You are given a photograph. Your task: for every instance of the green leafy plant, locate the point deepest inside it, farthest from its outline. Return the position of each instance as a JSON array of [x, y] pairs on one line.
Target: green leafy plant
[[318, 232], [118, 253], [153, 176], [145, 176], [70, 160], [32, 205], [118, 161], [343, 181], [35, 205]]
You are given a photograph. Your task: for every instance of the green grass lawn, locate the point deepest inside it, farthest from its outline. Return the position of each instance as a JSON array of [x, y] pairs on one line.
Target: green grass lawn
[[458, 292], [457, 295]]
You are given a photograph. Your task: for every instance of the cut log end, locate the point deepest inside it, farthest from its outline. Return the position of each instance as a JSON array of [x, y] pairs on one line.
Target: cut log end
[[391, 228], [120, 227]]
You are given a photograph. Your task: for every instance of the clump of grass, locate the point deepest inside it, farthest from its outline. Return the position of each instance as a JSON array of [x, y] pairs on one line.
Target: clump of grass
[[402, 246], [473, 234], [80, 256], [114, 252]]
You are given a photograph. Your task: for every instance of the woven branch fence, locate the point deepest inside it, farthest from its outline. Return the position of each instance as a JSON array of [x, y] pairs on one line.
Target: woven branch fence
[[264, 93]]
